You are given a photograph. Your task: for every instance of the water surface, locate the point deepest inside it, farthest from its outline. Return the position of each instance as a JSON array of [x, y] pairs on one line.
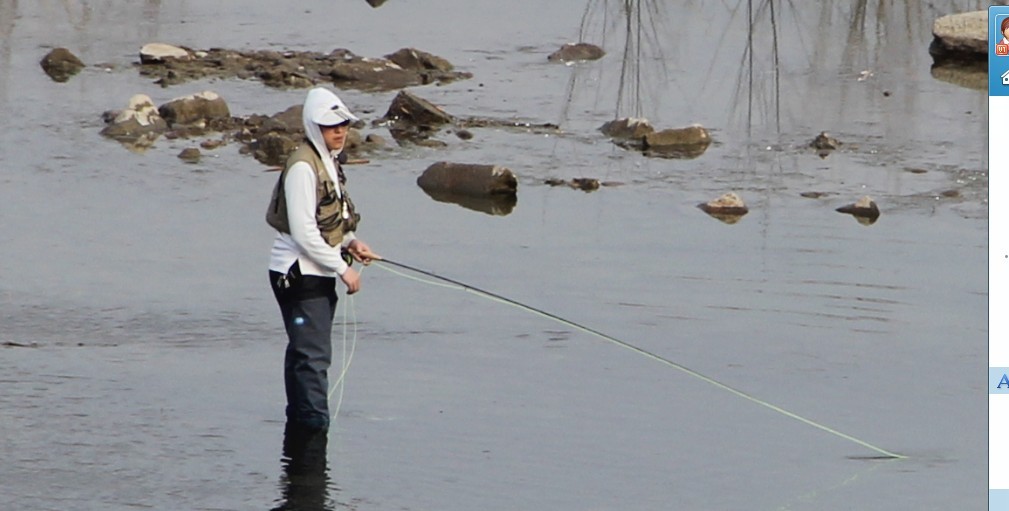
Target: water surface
[[153, 379]]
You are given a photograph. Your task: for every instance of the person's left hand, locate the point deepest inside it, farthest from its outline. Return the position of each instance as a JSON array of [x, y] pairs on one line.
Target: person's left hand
[[361, 252]]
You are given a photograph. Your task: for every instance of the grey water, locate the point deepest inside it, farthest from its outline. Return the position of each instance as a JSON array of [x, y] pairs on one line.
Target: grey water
[[141, 348]]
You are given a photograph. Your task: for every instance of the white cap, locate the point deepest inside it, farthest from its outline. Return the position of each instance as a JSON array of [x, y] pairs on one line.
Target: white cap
[[334, 113]]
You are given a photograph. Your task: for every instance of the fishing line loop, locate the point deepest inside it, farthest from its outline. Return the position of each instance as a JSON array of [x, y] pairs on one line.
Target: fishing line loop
[[455, 284]]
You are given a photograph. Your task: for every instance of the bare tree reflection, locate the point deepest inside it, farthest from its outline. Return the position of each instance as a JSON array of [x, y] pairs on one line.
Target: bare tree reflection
[[638, 24], [8, 18], [784, 47]]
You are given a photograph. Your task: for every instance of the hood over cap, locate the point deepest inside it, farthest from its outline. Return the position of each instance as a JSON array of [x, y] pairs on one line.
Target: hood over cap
[[324, 108]]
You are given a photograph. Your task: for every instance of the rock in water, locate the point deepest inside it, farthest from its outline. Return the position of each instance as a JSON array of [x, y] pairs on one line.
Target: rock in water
[[195, 108], [139, 120], [153, 53], [410, 108], [468, 179], [825, 142], [728, 208], [577, 51], [60, 64], [190, 155], [634, 128], [689, 142], [960, 35], [865, 210]]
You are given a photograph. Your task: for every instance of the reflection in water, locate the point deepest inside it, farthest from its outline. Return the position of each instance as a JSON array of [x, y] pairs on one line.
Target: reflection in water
[[779, 52], [8, 16], [638, 25], [304, 485], [496, 204]]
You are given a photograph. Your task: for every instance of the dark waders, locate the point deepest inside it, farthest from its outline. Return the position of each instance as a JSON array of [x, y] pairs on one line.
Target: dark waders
[[307, 303]]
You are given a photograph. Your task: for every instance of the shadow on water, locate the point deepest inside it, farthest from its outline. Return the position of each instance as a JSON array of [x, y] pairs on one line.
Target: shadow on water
[[305, 482]]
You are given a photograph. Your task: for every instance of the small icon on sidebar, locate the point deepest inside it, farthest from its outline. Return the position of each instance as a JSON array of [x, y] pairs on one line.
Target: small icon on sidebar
[[1005, 78], [1002, 43]]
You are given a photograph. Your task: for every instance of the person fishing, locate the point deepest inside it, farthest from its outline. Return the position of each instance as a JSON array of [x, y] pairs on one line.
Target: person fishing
[[315, 222]]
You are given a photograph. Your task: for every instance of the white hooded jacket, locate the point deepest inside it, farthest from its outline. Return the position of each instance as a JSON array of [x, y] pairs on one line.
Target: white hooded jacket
[[305, 244]]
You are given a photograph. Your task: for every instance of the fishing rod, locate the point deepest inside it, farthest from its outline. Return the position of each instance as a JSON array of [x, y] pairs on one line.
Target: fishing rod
[[883, 453]]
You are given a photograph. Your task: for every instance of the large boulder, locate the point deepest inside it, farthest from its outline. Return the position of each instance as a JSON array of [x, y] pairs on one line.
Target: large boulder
[[200, 109], [958, 36], [60, 64], [468, 179]]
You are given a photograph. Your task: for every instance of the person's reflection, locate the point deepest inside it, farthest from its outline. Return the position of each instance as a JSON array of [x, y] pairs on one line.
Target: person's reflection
[[304, 485]]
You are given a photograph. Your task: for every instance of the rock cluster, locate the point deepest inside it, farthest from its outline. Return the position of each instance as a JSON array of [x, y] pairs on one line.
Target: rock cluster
[[638, 133], [138, 125], [171, 65]]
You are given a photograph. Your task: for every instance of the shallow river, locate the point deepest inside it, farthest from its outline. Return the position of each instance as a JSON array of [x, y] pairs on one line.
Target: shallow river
[[141, 357]]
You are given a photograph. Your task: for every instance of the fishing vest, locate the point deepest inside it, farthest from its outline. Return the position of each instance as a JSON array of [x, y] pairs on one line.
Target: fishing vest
[[334, 214]]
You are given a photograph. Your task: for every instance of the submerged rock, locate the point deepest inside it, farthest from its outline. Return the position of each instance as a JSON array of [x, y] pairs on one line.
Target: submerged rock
[[728, 208], [585, 184], [472, 180], [60, 64], [376, 3], [190, 155], [814, 195], [571, 52], [825, 142], [865, 210]]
